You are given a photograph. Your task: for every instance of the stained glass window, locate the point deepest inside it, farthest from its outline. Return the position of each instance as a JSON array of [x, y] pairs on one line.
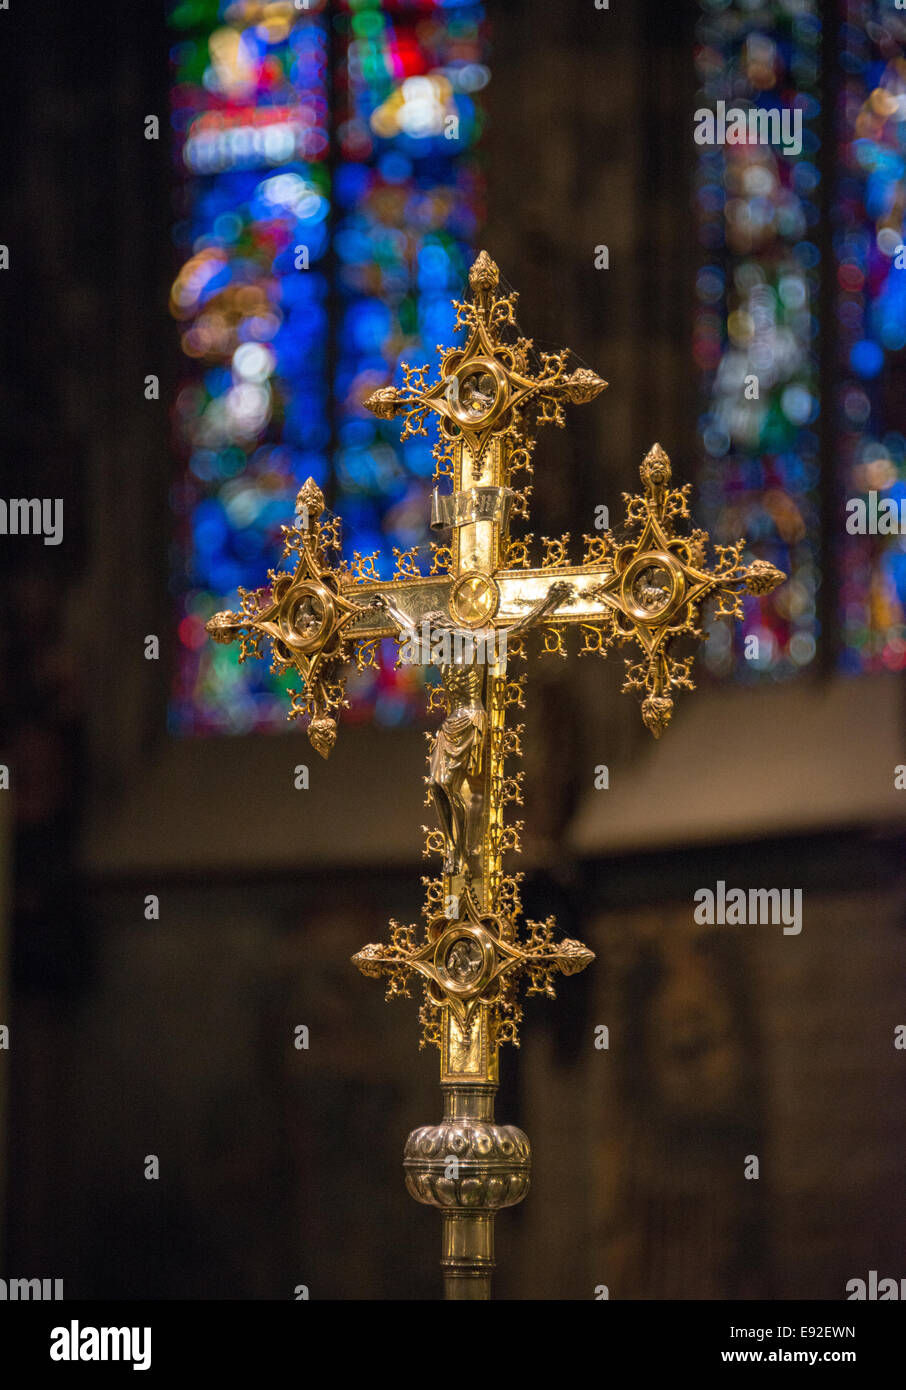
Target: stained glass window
[[870, 257], [408, 203], [756, 329], [328, 198]]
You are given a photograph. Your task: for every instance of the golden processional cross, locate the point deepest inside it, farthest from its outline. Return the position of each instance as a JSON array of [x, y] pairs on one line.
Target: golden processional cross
[[470, 615]]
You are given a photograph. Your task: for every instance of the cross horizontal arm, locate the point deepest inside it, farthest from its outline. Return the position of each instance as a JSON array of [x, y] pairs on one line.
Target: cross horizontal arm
[[413, 599], [648, 586], [520, 589]]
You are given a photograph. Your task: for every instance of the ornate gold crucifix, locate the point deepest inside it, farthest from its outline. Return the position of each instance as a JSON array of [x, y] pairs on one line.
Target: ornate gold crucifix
[[470, 616]]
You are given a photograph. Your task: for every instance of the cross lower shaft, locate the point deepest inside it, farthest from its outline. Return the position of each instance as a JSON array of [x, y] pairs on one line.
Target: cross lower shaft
[[470, 1168]]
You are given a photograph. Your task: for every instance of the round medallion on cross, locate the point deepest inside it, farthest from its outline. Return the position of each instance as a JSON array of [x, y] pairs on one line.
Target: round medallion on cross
[[305, 616], [652, 587], [476, 391], [464, 960], [474, 599]]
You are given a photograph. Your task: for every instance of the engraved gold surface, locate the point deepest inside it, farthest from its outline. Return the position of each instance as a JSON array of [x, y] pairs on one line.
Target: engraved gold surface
[[465, 1052]]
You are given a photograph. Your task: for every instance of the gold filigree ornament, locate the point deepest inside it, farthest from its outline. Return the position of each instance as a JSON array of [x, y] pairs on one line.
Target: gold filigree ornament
[[488, 387], [306, 616], [658, 584], [474, 960]]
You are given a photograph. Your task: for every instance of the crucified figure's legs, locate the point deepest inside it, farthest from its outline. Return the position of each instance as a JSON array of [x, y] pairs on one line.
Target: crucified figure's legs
[[451, 812], [456, 751]]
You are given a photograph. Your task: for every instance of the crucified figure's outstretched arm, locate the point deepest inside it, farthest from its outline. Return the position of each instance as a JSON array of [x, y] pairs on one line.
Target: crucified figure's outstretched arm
[[384, 604], [559, 591]]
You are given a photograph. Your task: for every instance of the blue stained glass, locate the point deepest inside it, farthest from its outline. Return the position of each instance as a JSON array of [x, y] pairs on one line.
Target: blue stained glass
[[869, 237], [866, 358], [256, 219], [755, 330], [251, 188]]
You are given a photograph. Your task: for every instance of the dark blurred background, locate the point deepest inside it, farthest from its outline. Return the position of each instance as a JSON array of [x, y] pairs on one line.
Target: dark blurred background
[[175, 1037]]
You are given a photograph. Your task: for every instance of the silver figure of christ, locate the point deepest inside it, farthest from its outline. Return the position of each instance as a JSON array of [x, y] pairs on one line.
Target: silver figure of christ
[[457, 754]]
